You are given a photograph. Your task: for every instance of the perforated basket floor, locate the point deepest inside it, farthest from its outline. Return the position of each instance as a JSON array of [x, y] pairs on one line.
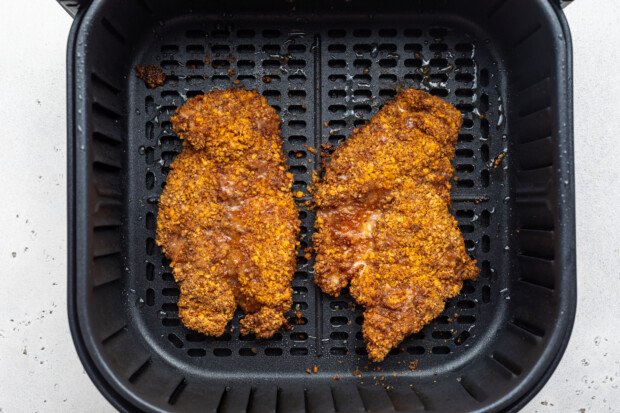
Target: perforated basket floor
[[325, 75]]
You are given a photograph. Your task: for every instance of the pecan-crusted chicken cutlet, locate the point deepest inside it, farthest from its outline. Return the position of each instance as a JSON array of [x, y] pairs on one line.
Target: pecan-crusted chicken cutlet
[[383, 221], [227, 219]]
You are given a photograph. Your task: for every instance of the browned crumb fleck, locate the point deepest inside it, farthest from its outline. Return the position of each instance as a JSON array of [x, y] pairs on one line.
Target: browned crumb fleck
[[315, 369], [299, 194], [326, 124], [266, 79], [308, 370], [236, 82], [499, 159], [357, 372], [311, 149], [254, 350], [231, 72], [152, 76], [299, 154], [298, 316], [207, 61], [413, 366], [335, 377]]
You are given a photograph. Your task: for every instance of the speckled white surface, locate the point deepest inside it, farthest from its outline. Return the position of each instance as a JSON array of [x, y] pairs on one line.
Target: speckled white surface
[[39, 369]]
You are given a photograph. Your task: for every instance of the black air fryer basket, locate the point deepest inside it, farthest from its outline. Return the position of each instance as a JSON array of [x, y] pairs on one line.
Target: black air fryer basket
[[326, 67]]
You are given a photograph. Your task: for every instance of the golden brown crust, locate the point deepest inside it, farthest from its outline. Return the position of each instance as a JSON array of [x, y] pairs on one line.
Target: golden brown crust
[[383, 222], [227, 219]]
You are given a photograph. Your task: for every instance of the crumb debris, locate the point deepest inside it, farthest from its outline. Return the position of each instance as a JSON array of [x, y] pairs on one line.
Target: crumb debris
[[152, 76]]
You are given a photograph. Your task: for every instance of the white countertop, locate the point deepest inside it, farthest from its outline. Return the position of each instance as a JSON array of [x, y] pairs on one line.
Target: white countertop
[[39, 368]]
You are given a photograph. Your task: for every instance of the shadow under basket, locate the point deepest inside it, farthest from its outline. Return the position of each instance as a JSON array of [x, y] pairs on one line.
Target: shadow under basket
[[326, 67]]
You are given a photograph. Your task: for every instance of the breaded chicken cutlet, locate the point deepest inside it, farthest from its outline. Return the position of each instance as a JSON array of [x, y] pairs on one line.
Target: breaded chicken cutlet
[[227, 219], [383, 223]]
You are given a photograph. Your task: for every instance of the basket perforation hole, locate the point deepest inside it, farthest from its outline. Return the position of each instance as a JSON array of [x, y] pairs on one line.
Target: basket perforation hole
[[246, 48], [464, 47], [438, 47], [337, 78], [464, 62], [464, 168], [441, 335], [413, 63], [337, 63], [466, 319], [150, 246], [299, 336], [170, 292], [362, 94], [361, 351], [486, 294], [271, 48], [466, 304], [171, 322], [339, 305], [484, 78], [485, 218], [387, 32], [464, 92], [170, 64], [196, 352], [296, 94], [336, 139], [222, 352], [273, 351], [387, 63], [169, 48], [195, 34], [337, 94], [339, 335], [460, 339], [296, 48], [338, 351], [195, 337], [439, 92], [220, 33], [484, 152], [299, 351], [362, 33], [175, 340], [339, 321], [485, 243], [438, 62], [416, 350], [150, 271], [219, 49], [362, 48], [464, 77], [248, 351], [388, 78], [484, 178], [362, 63], [150, 297], [194, 48], [336, 33], [484, 103], [413, 47], [484, 128], [440, 350], [337, 48]]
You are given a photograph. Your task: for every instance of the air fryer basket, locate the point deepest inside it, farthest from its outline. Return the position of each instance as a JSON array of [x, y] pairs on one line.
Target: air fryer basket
[[327, 68]]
